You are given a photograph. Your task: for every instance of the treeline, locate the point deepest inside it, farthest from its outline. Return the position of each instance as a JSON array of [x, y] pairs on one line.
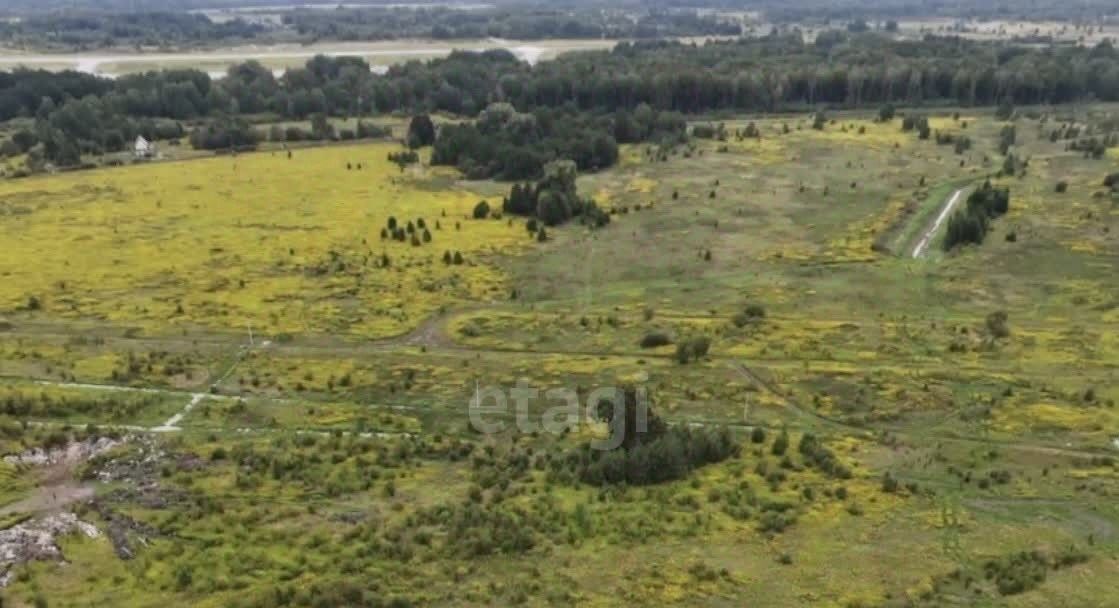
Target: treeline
[[970, 224], [506, 144], [512, 22], [25, 404], [784, 73], [794, 11], [76, 114], [92, 30], [23, 91], [177, 94], [570, 98], [767, 74]]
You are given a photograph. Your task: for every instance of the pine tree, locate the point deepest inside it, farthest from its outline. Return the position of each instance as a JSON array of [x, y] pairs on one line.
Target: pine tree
[[781, 444]]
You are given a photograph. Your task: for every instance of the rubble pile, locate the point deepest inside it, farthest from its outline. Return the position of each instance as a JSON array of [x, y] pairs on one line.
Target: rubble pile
[[38, 540]]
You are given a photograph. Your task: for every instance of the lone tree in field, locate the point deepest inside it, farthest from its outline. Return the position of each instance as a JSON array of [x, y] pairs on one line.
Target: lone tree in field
[[421, 131], [556, 195], [1112, 181], [692, 349], [820, 121], [997, 324], [781, 444], [481, 210], [655, 339]]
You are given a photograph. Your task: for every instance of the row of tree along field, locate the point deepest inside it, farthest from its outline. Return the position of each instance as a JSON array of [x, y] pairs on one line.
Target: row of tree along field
[[78, 30], [582, 93]]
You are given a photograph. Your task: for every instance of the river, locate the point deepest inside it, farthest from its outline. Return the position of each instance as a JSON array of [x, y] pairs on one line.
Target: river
[[281, 57]]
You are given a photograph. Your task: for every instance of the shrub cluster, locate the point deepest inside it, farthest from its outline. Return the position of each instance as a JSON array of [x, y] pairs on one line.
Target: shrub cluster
[[916, 123], [1023, 571], [649, 451], [554, 199], [670, 456], [692, 349], [969, 225]]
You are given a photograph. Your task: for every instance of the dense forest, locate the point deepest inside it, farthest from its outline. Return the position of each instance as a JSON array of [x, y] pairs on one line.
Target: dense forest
[[799, 11], [91, 24], [582, 90], [531, 24], [772, 9], [512, 145], [83, 30]]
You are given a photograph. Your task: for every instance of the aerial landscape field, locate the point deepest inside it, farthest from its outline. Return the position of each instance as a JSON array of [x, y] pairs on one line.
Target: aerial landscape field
[[342, 338]]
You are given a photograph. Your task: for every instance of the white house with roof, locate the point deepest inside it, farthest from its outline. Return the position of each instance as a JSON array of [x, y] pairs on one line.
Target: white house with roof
[[144, 148]]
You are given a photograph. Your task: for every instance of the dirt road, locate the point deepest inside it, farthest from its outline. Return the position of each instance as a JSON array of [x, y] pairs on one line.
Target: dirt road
[[945, 213]]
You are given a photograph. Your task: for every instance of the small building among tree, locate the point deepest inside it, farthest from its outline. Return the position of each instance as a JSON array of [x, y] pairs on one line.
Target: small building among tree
[[144, 148]]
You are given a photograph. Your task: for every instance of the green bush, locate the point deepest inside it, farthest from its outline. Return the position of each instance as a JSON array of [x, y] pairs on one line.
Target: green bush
[[889, 483], [781, 444], [692, 349], [655, 339], [970, 225], [757, 435], [751, 314], [481, 210], [1112, 181]]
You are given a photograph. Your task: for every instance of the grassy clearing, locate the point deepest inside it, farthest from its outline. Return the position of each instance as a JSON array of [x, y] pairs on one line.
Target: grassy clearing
[[286, 245], [329, 456]]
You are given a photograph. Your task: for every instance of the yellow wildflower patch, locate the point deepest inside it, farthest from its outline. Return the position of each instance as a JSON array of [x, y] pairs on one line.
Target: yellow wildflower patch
[[282, 244]]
